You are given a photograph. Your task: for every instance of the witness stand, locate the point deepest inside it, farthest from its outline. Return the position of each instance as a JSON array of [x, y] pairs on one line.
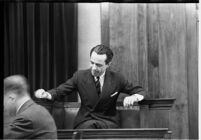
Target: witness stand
[[148, 119]]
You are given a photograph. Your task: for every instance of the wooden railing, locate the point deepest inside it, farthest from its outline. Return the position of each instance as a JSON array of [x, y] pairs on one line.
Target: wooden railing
[[164, 104], [146, 119], [145, 133]]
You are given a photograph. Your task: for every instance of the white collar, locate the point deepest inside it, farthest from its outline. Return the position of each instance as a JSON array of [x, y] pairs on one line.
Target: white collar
[[101, 76], [21, 105]]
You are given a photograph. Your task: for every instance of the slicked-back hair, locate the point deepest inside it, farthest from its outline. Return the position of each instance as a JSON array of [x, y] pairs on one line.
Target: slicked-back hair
[[102, 49], [17, 83]]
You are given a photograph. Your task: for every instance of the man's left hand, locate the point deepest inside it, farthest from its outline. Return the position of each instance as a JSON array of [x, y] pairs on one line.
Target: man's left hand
[[130, 100]]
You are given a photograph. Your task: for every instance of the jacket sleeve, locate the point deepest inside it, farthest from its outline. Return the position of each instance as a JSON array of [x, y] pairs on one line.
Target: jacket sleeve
[[63, 89], [129, 88], [20, 128]]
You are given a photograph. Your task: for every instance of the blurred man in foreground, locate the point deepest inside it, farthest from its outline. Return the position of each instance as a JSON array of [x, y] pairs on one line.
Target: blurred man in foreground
[[31, 121]]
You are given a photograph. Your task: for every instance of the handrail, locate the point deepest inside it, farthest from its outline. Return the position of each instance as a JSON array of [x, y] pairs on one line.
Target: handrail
[[162, 103]]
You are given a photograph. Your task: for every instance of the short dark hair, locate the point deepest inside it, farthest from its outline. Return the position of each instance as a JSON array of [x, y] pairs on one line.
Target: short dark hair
[[17, 83], [102, 49]]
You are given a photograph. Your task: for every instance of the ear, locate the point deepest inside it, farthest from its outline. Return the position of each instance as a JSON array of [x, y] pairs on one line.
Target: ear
[[109, 64], [12, 96]]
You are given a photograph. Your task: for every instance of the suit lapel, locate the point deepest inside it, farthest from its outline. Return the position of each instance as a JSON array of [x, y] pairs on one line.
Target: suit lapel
[[106, 89], [91, 85], [107, 84]]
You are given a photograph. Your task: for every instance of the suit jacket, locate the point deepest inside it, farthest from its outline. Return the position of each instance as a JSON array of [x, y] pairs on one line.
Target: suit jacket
[[93, 106], [31, 122]]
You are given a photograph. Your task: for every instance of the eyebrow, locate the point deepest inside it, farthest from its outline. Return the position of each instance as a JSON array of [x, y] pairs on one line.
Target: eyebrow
[[96, 63]]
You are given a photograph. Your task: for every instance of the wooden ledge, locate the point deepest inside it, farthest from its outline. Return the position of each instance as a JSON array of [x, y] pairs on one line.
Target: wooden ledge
[[114, 133], [164, 104]]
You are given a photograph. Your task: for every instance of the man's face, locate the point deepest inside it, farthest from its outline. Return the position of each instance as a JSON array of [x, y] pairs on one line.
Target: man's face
[[98, 66], [9, 104]]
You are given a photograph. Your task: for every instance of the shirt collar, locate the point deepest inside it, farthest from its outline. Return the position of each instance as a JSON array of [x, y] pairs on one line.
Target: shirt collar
[[102, 76], [21, 105]]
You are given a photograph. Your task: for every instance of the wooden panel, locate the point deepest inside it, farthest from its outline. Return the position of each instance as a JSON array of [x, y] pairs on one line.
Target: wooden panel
[[153, 51], [156, 46], [156, 118], [144, 122], [123, 39], [142, 45], [192, 68], [172, 65], [155, 113], [129, 118], [133, 117]]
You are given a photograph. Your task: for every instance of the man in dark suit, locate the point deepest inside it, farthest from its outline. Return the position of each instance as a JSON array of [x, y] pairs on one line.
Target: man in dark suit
[[98, 88], [29, 120]]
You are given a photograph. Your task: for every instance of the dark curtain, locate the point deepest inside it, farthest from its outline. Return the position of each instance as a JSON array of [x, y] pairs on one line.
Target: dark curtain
[[40, 42]]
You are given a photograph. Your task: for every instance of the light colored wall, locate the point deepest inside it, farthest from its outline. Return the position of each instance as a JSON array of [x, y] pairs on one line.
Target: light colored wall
[[89, 31]]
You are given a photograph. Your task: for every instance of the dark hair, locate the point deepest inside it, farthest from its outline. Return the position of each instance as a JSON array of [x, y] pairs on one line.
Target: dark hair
[[17, 83], [102, 49]]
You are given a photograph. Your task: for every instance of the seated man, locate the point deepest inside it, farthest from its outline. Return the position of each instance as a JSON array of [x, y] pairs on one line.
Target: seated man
[[31, 121], [98, 88]]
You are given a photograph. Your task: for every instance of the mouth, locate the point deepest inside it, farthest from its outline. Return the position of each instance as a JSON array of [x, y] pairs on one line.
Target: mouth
[[95, 73]]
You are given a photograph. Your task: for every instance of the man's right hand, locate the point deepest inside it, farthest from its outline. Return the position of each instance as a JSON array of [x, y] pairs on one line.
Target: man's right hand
[[41, 93]]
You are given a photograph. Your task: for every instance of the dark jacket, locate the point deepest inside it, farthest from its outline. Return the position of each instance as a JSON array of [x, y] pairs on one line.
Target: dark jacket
[[31, 122], [93, 106]]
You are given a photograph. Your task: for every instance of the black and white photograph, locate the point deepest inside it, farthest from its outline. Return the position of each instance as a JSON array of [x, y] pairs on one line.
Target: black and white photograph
[[102, 70]]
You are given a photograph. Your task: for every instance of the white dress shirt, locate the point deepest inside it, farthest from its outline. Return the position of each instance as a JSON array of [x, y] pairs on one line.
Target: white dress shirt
[[102, 78]]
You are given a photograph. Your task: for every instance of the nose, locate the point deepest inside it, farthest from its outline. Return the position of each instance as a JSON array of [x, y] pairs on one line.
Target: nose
[[94, 67]]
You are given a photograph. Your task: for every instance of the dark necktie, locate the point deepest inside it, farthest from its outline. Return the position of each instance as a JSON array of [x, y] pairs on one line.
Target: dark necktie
[[97, 83]]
